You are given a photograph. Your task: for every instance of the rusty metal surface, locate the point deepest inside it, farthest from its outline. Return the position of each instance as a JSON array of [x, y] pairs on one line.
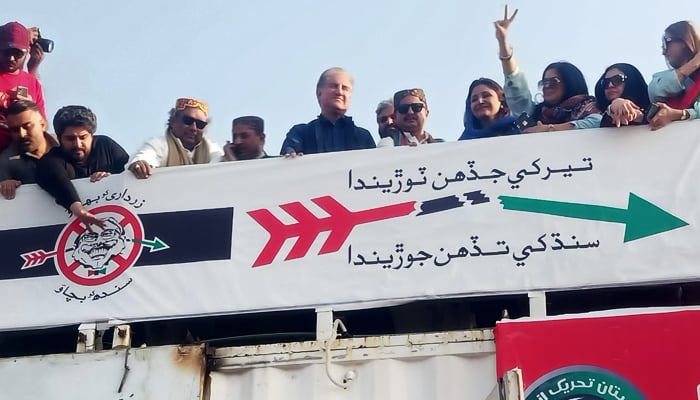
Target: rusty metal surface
[[443, 365], [152, 373], [471, 342]]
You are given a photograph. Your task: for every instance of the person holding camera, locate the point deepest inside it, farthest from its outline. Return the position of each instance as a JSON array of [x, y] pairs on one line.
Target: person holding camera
[[39, 46], [16, 84]]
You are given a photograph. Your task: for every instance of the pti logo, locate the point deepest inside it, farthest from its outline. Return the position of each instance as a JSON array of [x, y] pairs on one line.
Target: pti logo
[[583, 382]]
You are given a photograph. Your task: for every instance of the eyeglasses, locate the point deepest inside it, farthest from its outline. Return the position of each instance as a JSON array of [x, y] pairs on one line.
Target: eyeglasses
[[665, 40], [416, 107], [384, 118], [189, 121], [616, 80], [16, 53], [549, 82]]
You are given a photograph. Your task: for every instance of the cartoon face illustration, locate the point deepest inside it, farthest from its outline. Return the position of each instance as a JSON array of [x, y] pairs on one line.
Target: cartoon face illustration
[[95, 249]]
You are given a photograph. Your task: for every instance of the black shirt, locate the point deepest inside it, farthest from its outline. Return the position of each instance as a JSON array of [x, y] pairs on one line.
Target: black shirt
[[55, 169], [20, 166], [323, 136]]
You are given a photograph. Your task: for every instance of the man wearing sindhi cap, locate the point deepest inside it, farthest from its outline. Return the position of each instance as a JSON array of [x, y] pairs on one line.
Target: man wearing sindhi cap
[[411, 111], [15, 84], [184, 142]]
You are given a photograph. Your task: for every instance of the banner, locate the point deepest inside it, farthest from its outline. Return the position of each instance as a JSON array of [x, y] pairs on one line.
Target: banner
[[596, 208], [647, 356]]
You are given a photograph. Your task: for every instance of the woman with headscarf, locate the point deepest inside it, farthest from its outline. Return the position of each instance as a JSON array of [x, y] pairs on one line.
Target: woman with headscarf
[[566, 102], [677, 90], [623, 93], [487, 114]]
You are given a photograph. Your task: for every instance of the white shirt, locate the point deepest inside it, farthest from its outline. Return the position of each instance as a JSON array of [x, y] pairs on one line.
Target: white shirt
[[155, 152], [389, 142]]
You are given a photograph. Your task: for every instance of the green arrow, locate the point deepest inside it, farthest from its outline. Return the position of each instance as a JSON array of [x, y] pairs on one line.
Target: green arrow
[[641, 218], [153, 245]]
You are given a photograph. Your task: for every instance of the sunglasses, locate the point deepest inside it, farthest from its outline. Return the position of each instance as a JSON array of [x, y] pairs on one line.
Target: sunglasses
[[383, 119], [666, 40], [616, 80], [416, 107], [549, 82], [16, 53], [189, 121]]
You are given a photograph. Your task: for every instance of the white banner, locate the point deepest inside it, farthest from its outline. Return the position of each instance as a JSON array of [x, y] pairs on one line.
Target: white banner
[[563, 210]]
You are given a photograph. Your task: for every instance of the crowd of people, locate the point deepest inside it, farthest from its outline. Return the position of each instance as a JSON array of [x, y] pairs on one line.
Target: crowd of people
[[30, 154]]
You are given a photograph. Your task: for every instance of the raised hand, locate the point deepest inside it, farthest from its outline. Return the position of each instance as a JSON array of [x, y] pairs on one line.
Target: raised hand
[[503, 24]]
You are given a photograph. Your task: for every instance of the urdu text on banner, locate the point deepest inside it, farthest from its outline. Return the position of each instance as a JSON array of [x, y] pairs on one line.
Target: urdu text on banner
[[565, 210]]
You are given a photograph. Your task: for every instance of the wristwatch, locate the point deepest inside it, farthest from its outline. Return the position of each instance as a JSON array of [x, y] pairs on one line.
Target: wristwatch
[[685, 115]]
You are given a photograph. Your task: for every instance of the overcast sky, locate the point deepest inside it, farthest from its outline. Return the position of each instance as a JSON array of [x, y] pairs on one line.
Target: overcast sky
[[129, 60]]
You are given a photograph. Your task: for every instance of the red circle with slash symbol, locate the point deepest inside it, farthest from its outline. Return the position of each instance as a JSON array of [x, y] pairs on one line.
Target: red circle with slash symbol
[[95, 262]]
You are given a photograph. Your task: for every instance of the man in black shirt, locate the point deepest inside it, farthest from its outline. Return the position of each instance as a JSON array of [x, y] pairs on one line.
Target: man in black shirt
[[30, 141], [81, 154], [332, 130]]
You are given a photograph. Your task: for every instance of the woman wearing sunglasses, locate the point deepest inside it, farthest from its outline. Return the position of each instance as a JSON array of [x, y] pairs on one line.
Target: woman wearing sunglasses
[[677, 90], [623, 93], [487, 114], [567, 104]]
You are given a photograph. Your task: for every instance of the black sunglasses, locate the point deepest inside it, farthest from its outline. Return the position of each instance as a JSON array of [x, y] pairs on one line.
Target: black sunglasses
[[549, 82], [16, 53], [189, 121], [416, 107], [383, 119], [616, 81]]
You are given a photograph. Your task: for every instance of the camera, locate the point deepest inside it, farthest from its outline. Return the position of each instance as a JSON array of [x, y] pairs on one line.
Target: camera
[[44, 43]]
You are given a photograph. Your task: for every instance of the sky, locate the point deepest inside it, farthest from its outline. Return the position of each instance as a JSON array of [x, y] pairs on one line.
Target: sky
[[129, 60]]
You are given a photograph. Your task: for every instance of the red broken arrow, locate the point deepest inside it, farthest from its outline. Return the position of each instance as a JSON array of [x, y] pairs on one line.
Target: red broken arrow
[[339, 222], [36, 258]]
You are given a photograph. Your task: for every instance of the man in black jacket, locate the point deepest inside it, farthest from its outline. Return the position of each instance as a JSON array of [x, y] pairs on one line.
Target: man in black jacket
[[332, 130], [81, 154]]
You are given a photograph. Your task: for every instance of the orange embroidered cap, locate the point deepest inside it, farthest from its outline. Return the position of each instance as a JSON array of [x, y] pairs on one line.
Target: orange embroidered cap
[[185, 102]]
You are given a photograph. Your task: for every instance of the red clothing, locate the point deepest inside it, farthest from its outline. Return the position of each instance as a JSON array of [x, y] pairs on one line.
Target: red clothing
[[9, 82], [687, 98]]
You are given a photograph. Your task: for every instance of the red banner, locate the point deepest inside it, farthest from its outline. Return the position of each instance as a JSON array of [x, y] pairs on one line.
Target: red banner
[[654, 356]]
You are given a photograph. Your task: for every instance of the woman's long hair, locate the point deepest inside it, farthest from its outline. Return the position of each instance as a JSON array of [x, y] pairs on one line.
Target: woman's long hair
[[636, 89], [572, 79]]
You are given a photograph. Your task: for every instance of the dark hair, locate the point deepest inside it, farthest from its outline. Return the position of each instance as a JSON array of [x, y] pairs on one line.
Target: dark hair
[[636, 88], [257, 123], [493, 85], [21, 106], [74, 116], [572, 79]]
